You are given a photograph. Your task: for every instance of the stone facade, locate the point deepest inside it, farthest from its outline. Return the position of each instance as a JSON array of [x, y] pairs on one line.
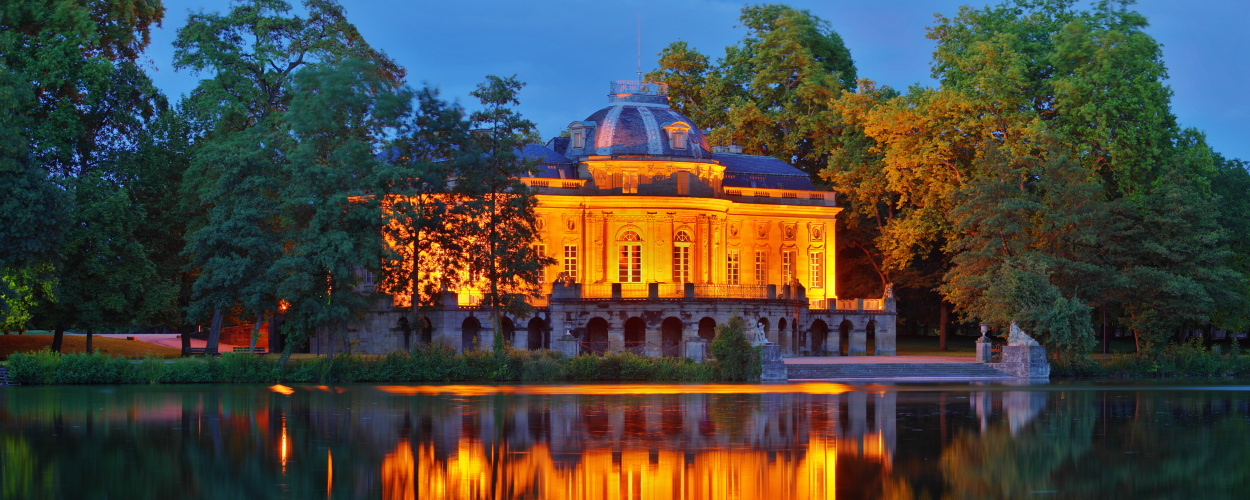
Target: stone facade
[[657, 238]]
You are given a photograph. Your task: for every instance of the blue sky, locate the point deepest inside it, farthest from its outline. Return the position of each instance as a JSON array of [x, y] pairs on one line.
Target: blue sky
[[568, 51]]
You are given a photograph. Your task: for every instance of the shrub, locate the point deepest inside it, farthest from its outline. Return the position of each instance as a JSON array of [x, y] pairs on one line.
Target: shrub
[[247, 368], [634, 367], [92, 369], [545, 366], [192, 371], [35, 368], [584, 367], [149, 371], [736, 359]]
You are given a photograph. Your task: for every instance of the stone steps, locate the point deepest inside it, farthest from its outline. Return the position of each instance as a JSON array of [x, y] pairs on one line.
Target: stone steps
[[968, 371]]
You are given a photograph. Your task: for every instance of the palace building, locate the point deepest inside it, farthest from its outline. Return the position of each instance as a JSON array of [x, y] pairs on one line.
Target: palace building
[[657, 239]]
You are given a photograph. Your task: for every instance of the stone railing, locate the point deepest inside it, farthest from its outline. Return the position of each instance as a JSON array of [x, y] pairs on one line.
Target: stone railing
[[827, 197], [538, 182], [856, 305], [655, 291]]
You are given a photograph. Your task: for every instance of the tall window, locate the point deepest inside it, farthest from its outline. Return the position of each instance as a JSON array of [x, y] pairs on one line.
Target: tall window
[[787, 266], [761, 268], [681, 257], [629, 258], [629, 182], [818, 269], [541, 251], [570, 261], [579, 139], [678, 134], [681, 264], [731, 267]]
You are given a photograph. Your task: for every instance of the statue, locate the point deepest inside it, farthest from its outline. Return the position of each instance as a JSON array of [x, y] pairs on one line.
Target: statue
[[1016, 336], [759, 337], [889, 290]]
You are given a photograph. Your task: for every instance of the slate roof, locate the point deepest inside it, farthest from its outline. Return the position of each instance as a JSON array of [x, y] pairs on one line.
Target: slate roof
[[762, 172], [637, 128], [550, 163]]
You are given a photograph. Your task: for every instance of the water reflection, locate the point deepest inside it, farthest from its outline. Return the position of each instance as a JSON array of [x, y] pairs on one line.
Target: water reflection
[[723, 441]]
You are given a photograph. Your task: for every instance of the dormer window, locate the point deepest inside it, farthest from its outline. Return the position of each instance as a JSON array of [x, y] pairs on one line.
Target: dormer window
[[678, 134], [577, 134]]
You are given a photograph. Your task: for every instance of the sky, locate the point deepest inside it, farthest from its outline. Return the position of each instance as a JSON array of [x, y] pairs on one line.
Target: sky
[[568, 51]]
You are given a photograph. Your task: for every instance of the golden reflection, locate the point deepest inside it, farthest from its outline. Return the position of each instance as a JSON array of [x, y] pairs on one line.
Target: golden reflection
[[329, 472], [399, 473], [618, 389], [808, 472], [282, 389], [284, 446]]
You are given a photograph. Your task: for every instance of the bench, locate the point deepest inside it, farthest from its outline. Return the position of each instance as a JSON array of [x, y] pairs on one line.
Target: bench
[[197, 351], [246, 350]]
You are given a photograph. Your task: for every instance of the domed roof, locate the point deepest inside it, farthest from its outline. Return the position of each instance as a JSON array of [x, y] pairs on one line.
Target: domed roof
[[639, 122]]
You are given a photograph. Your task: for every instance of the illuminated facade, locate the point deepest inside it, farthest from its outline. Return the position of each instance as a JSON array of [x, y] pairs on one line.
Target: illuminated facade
[[657, 238]]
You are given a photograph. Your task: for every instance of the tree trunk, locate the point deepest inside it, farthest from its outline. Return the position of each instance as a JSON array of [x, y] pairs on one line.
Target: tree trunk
[[58, 336], [89, 335], [1104, 329], [943, 322], [214, 333], [251, 345], [185, 335]]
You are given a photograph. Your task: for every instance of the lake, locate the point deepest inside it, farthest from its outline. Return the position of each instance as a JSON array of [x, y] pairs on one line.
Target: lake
[[648, 441]]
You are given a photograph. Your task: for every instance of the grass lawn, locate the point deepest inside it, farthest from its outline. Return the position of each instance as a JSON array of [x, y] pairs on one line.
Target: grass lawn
[[10, 344]]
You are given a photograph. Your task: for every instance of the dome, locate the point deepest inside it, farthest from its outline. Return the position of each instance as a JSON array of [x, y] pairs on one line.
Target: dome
[[638, 122]]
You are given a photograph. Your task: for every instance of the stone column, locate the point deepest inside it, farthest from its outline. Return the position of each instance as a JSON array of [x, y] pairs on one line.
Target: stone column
[[859, 339], [983, 345], [833, 340], [886, 336]]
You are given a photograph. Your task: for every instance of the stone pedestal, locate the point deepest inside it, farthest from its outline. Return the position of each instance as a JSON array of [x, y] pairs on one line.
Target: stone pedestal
[[695, 348], [567, 345], [774, 367], [983, 350], [1025, 361]]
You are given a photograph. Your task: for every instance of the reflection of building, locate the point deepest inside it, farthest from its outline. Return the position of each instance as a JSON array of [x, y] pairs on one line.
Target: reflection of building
[[658, 238]]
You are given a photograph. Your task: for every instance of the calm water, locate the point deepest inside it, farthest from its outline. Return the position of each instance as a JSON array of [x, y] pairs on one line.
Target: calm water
[[616, 441]]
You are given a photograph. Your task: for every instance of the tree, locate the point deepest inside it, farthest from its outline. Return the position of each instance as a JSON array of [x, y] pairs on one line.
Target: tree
[[417, 177], [498, 210], [338, 119], [71, 97], [251, 55], [770, 92]]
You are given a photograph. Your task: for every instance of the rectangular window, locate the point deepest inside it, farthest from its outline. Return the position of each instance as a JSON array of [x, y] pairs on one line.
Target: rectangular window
[[787, 267], [761, 268], [818, 270], [683, 182], [629, 263], [541, 251], [579, 139], [731, 267], [681, 264], [570, 262], [629, 182]]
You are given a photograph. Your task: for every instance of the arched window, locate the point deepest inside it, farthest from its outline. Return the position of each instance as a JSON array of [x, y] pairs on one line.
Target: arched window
[[629, 258]]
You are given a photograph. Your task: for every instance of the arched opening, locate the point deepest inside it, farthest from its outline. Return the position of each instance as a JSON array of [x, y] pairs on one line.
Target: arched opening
[[427, 331], [635, 335], [470, 330], [535, 337], [820, 332], [596, 340], [870, 338], [761, 328], [783, 336], [670, 337], [844, 337], [508, 329], [405, 330], [707, 329]]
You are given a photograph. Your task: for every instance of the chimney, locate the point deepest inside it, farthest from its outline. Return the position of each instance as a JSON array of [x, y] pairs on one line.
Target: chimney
[[720, 149], [734, 148]]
